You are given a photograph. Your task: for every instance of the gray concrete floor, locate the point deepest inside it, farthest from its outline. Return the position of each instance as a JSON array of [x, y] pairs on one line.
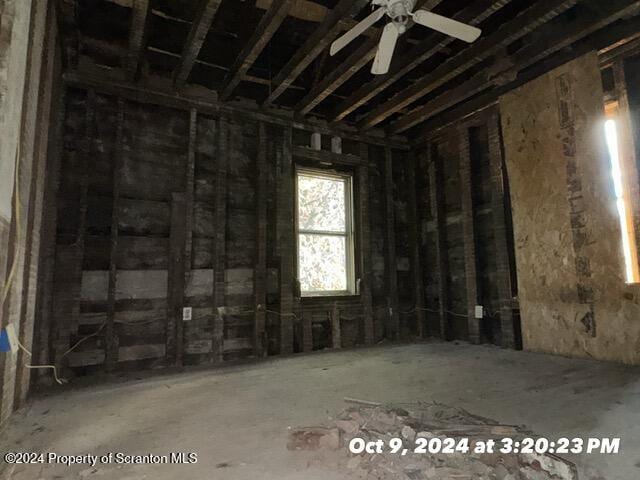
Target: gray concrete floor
[[236, 418]]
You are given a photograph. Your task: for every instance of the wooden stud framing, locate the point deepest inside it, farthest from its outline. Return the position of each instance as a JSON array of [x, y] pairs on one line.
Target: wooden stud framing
[[69, 288], [415, 239], [267, 27], [176, 279], [365, 244], [260, 271], [468, 228], [111, 343], [436, 199], [503, 269], [286, 242], [390, 264], [209, 105], [47, 319], [199, 29], [220, 238]]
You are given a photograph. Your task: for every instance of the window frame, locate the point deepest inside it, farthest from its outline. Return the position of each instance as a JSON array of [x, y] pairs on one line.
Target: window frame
[[349, 233]]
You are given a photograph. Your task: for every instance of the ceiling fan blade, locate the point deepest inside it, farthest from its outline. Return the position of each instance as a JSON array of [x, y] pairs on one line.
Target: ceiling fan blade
[[387, 45], [447, 26], [348, 37]]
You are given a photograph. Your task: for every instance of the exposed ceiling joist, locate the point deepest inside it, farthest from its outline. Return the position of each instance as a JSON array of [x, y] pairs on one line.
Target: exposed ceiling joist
[[137, 36], [546, 46], [315, 44], [199, 29], [474, 14], [532, 18], [267, 27], [357, 60], [453, 116], [300, 9]]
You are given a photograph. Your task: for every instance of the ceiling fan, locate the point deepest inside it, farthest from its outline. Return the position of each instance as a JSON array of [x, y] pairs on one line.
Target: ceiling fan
[[400, 11]]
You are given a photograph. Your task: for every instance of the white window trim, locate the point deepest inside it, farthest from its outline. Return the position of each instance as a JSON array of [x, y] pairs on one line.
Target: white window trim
[[349, 233]]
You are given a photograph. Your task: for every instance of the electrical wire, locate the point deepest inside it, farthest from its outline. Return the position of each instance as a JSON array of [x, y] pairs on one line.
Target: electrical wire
[[14, 265]]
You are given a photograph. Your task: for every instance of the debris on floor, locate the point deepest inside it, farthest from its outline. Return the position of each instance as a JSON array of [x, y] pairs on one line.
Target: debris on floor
[[405, 428]]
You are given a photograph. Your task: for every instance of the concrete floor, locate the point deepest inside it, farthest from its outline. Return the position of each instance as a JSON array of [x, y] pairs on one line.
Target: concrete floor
[[236, 418]]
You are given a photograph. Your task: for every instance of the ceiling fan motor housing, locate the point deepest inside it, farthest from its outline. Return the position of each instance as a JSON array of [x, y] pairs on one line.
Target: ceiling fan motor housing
[[399, 11]]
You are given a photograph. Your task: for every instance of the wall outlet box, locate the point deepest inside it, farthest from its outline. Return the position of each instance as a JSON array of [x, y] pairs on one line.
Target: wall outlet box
[[8, 339], [187, 313], [479, 311]]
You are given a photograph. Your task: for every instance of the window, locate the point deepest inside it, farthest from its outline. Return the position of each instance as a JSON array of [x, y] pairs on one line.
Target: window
[[325, 233], [615, 145]]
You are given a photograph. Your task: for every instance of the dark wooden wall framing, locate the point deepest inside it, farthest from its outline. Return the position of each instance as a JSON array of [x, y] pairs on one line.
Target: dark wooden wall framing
[[62, 265], [495, 222]]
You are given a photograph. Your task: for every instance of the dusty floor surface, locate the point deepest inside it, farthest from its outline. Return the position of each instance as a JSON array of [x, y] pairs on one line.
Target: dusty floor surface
[[236, 418]]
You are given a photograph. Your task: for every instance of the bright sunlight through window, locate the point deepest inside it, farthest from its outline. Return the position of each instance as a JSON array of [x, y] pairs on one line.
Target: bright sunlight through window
[[628, 244], [325, 240]]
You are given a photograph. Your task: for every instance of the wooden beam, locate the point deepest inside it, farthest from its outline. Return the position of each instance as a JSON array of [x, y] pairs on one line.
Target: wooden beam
[[163, 95], [365, 244], [260, 272], [111, 344], [535, 16], [473, 14], [415, 240], [325, 156], [219, 247], [468, 232], [343, 72], [503, 267], [199, 29], [486, 100], [302, 9], [138, 33], [267, 27], [188, 213], [559, 38], [69, 261], [285, 240], [391, 264], [436, 200], [176, 280], [315, 44]]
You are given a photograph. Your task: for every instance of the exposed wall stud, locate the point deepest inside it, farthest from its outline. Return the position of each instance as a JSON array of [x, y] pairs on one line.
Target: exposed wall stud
[[436, 198], [415, 240], [468, 228], [111, 343], [286, 242], [390, 265], [219, 251], [260, 272], [503, 269], [365, 244]]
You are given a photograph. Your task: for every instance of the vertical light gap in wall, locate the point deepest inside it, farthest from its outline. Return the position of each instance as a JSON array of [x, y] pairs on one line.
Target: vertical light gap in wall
[[611, 127]]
